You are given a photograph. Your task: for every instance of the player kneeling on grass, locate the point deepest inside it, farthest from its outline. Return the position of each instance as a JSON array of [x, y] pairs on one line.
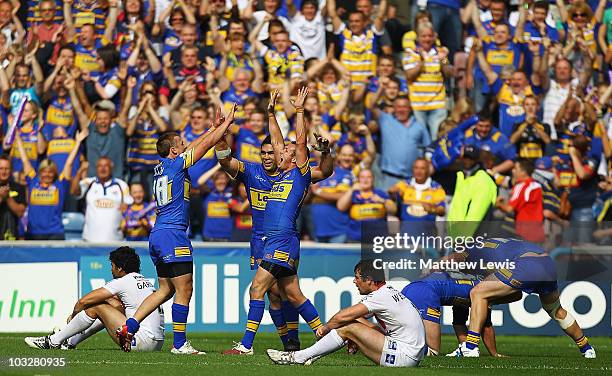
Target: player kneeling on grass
[[398, 340], [104, 308], [531, 271]]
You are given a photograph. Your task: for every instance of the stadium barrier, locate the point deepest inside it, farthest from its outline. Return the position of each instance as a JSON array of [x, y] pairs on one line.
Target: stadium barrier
[[41, 281]]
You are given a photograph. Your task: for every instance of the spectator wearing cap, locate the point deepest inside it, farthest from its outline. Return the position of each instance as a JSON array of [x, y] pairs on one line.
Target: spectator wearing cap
[[403, 141], [106, 137], [531, 136], [474, 197], [12, 201], [484, 136], [525, 202]]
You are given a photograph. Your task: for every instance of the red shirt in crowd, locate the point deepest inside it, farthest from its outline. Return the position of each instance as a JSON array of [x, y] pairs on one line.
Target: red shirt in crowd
[[526, 199]]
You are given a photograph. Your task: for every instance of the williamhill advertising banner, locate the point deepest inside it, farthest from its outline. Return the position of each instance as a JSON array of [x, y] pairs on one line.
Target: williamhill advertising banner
[[40, 285]]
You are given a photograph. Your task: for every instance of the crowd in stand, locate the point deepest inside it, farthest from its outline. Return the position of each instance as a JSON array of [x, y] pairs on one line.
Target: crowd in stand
[[464, 110]]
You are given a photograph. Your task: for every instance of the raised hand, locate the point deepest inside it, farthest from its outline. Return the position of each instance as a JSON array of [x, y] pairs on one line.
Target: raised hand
[[230, 116], [132, 82], [82, 135], [299, 100], [322, 144], [273, 98]]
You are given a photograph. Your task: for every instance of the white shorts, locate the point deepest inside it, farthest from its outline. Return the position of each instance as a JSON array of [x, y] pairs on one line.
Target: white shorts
[[142, 342], [397, 354]]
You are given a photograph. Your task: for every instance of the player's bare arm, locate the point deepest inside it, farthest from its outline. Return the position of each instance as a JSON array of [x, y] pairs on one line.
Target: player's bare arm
[[301, 150], [278, 143], [94, 297], [228, 163], [344, 317], [210, 138]]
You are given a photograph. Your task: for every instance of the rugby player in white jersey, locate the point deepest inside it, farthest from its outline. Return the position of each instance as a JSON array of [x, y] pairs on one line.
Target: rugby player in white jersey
[[397, 341], [104, 307]]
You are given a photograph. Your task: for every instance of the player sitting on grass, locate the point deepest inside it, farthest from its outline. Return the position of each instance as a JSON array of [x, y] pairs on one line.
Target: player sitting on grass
[[441, 289], [398, 340], [532, 271], [103, 307]]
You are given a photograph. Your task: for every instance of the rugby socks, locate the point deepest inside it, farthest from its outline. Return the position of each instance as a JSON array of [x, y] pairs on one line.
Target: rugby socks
[[80, 337], [279, 322], [328, 344], [472, 340], [583, 344], [292, 318], [256, 311], [310, 315], [76, 325], [179, 324], [133, 325]]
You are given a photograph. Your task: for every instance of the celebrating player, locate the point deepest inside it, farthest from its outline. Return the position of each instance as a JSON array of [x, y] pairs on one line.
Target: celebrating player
[[441, 289], [399, 341], [529, 270], [258, 180], [169, 245], [103, 307]]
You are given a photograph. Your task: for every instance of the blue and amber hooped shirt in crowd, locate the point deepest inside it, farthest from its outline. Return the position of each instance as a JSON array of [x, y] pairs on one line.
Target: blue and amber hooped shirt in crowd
[[229, 97], [511, 109], [498, 57], [285, 200], [412, 195], [29, 138], [358, 53], [60, 113], [218, 221], [366, 207], [89, 13], [45, 205], [131, 223], [248, 145], [329, 220], [142, 147], [58, 150]]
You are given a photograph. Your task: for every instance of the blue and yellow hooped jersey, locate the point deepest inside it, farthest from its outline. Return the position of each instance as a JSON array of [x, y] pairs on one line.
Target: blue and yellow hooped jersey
[[248, 145], [258, 184], [285, 200], [500, 249], [171, 187]]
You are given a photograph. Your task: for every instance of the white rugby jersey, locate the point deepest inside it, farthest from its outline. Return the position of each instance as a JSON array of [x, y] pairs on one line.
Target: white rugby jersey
[[397, 316], [132, 289], [103, 208]]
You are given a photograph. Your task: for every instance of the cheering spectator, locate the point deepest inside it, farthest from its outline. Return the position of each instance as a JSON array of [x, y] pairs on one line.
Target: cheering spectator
[[106, 198], [47, 191], [426, 66], [403, 139], [531, 136], [12, 201], [366, 205], [218, 221], [307, 28], [139, 217], [484, 136]]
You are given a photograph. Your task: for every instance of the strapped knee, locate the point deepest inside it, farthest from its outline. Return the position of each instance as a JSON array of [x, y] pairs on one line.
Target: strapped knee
[[552, 309]]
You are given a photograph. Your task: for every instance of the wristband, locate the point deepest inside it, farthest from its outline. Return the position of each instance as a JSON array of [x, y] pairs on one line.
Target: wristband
[[299, 110], [222, 154]]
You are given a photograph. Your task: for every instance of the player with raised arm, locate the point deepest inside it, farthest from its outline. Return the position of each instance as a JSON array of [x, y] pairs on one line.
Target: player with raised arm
[[397, 341], [169, 244], [104, 307], [258, 180], [281, 239], [529, 269]]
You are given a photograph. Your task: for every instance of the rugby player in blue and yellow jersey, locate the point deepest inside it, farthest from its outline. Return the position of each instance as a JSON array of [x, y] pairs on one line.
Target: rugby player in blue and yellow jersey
[[258, 180], [520, 266], [169, 245]]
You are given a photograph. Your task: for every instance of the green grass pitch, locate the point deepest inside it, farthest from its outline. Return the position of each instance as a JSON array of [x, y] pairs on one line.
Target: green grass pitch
[[99, 356]]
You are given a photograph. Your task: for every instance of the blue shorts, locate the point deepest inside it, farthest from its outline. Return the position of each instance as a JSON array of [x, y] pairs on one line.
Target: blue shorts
[[170, 245], [282, 250], [531, 274], [257, 250], [425, 299]]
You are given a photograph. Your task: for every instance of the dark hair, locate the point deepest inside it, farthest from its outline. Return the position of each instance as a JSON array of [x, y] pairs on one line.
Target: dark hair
[[485, 115], [581, 143], [314, 3], [387, 57], [363, 16], [260, 111], [140, 12], [165, 143], [541, 5], [66, 47], [499, 1], [126, 259], [396, 80], [526, 165], [266, 141], [275, 22], [367, 269], [110, 57]]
